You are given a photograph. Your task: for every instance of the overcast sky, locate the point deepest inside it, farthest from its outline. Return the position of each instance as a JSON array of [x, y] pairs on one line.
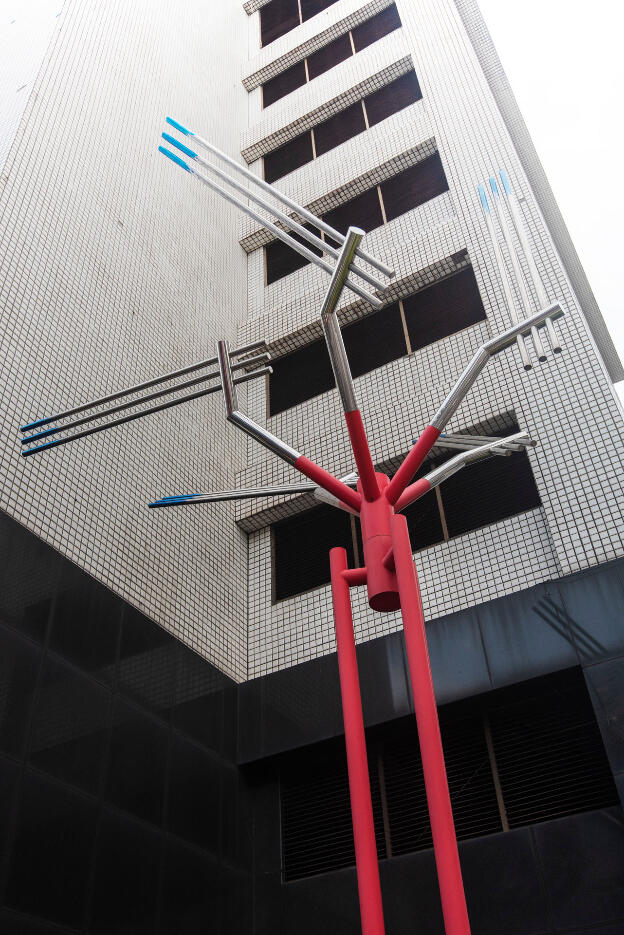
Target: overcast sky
[[565, 62]]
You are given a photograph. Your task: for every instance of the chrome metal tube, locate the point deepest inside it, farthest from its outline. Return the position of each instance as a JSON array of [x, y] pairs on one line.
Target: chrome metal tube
[[285, 238], [139, 386], [476, 454], [280, 196], [245, 493], [509, 298], [480, 359], [234, 415], [515, 262], [238, 365], [139, 415], [281, 215], [331, 327], [518, 222]]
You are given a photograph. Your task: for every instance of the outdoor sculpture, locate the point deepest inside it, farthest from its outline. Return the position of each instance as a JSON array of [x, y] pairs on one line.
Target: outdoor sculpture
[[388, 572]]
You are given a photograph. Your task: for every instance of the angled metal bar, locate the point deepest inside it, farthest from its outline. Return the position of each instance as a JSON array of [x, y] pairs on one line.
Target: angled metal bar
[[342, 370], [139, 415], [273, 228], [446, 470], [518, 222], [238, 365], [280, 196], [456, 396], [515, 262], [502, 269], [280, 215], [255, 345], [284, 451]]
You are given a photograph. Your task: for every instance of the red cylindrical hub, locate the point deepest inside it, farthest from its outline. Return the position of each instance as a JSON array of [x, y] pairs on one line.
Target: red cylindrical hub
[[375, 517]]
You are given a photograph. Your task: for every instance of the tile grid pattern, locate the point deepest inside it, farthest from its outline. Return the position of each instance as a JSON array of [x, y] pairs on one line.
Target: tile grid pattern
[[116, 267], [567, 403]]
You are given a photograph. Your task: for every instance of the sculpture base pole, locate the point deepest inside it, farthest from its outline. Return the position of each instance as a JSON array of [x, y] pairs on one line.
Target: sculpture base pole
[[366, 862], [436, 785]]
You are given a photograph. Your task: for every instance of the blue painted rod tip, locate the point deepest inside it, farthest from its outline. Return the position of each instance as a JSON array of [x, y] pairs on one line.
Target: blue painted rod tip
[[178, 126], [172, 140], [174, 158]]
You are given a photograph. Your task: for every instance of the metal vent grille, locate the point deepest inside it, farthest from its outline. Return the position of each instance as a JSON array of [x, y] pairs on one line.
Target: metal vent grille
[[514, 757]]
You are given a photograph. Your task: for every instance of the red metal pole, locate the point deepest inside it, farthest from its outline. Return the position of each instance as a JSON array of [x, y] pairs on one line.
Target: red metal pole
[[412, 462], [367, 866], [361, 451], [436, 784]]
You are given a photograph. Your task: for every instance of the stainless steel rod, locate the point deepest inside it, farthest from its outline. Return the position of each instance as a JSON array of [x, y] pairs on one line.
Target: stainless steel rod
[[238, 365], [140, 386], [234, 414], [145, 412], [242, 494], [501, 341], [331, 327], [515, 262], [516, 216], [281, 215], [502, 269], [280, 196], [283, 236]]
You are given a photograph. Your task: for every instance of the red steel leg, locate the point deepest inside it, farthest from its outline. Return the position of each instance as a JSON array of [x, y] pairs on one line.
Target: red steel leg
[[436, 784], [367, 866]]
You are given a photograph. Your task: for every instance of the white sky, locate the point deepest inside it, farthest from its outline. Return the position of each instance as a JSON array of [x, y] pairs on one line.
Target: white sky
[[565, 62]]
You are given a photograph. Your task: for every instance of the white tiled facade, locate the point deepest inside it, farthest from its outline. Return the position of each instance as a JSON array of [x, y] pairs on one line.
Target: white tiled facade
[[116, 266]]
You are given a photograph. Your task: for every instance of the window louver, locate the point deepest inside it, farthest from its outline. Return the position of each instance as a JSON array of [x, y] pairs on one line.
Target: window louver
[[545, 751]]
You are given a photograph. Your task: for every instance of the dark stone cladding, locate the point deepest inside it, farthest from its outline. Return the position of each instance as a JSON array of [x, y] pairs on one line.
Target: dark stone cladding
[[138, 792]]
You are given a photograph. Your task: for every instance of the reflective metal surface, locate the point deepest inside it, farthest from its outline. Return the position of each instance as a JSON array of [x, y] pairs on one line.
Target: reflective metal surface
[[329, 321]]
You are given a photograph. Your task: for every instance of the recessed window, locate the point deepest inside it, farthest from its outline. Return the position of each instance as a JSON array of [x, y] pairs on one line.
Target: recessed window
[[396, 196], [342, 126], [413, 187], [478, 495], [339, 128], [429, 315], [288, 157], [514, 757], [301, 547], [376, 28], [392, 97], [277, 18], [281, 260], [325, 58], [284, 83]]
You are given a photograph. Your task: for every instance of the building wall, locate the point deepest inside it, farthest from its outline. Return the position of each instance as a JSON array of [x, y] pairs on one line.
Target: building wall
[[567, 404], [115, 268]]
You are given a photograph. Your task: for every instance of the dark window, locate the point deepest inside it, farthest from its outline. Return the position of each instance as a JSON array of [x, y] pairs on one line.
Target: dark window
[[545, 746], [276, 18], [371, 342], [443, 309], [392, 98], [339, 128], [287, 81], [362, 211], [401, 193], [424, 523], [301, 547], [375, 340], [281, 260], [298, 376], [413, 187], [376, 28], [288, 157], [329, 56], [310, 8], [487, 492]]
